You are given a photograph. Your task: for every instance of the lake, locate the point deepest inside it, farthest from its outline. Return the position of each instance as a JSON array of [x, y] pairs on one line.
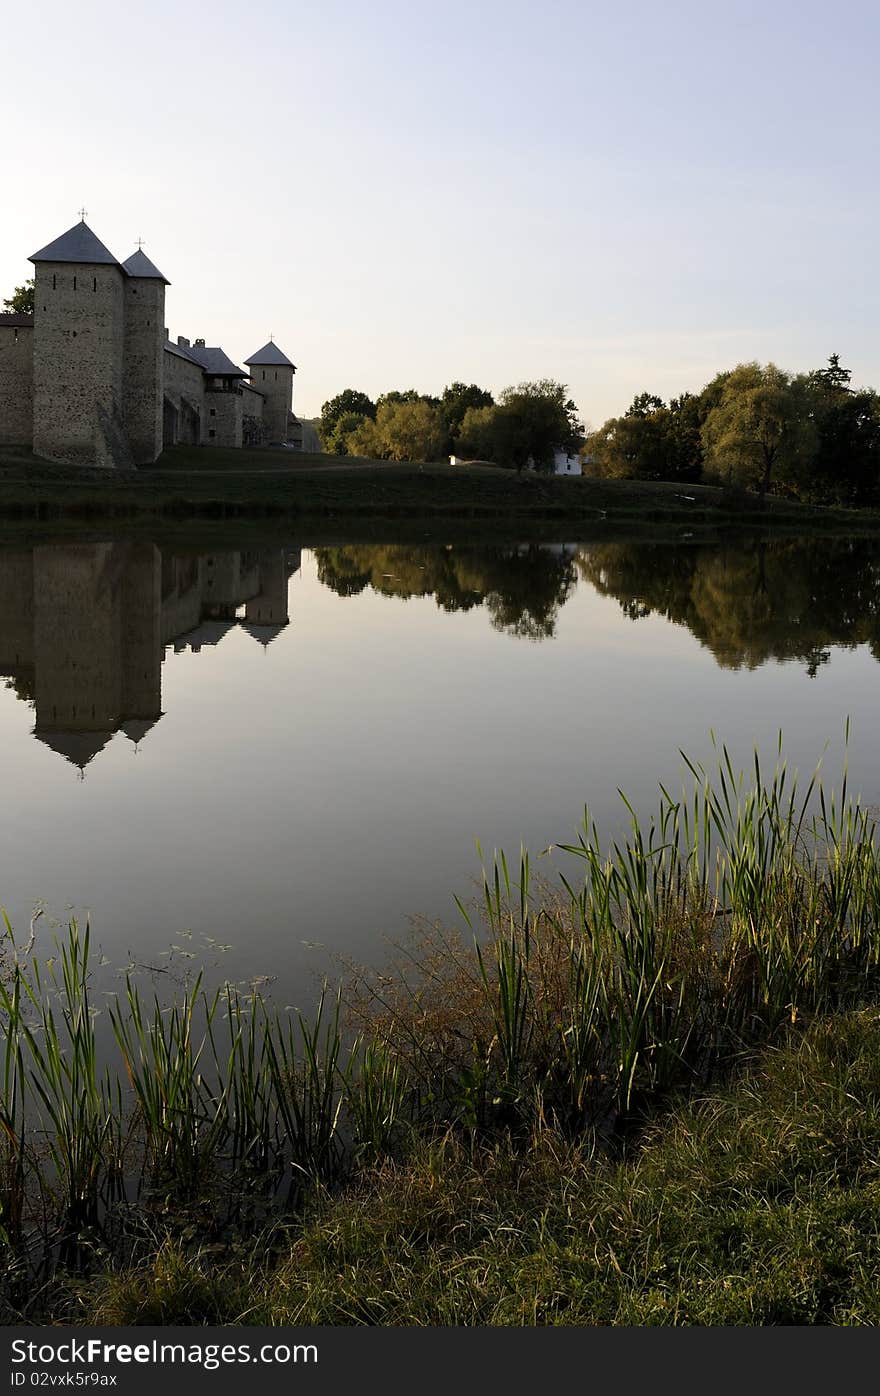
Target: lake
[[273, 756]]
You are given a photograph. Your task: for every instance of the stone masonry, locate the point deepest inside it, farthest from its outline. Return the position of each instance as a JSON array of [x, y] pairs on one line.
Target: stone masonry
[[92, 378]]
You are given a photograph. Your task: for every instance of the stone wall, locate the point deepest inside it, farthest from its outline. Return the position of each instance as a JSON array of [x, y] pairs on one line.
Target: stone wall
[[276, 384], [78, 360], [16, 382], [253, 432], [144, 366], [223, 419], [184, 392]]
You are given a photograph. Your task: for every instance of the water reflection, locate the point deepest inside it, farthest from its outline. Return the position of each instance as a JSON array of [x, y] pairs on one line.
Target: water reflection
[[83, 628], [783, 599], [522, 587]]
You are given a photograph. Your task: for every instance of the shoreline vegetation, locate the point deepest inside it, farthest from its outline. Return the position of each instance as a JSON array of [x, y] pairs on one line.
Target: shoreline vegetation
[[650, 1094], [334, 493]]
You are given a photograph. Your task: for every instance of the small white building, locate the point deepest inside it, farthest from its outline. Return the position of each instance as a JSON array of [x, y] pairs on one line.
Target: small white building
[[564, 464]]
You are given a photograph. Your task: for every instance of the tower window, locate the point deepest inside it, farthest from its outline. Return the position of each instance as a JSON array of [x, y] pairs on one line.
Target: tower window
[[212, 434], [94, 283], [54, 281], [74, 334], [213, 412], [74, 283], [264, 375], [276, 376]]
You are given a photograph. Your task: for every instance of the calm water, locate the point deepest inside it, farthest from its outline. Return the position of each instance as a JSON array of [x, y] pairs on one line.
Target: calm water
[[290, 752]]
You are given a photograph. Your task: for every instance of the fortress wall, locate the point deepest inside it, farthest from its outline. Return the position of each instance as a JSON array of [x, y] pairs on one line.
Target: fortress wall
[[185, 389], [252, 429], [226, 422], [16, 385], [252, 402], [144, 366], [277, 385], [78, 357]]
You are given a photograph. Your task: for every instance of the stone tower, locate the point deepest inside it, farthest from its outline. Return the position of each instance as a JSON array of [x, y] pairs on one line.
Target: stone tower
[[142, 382], [79, 334], [272, 375]]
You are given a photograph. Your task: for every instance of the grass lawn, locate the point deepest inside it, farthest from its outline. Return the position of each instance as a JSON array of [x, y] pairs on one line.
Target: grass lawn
[[198, 482]]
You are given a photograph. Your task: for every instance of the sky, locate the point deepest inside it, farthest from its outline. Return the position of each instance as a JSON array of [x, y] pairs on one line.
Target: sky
[[625, 198]]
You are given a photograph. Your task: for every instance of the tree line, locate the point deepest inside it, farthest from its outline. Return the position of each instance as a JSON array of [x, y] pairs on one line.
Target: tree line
[[810, 436], [524, 427], [782, 599]]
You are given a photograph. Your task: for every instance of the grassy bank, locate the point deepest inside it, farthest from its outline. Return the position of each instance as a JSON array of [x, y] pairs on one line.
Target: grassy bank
[[754, 1205], [193, 483], [543, 1052]]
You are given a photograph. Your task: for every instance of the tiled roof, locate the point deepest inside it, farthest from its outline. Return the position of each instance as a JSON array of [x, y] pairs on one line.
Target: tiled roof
[[78, 244], [181, 353], [139, 264], [270, 354], [214, 361], [16, 321]]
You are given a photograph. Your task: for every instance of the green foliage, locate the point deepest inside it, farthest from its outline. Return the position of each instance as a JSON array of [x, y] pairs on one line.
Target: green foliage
[[809, 436], [21, 302], [760, 426], [848, 425], [348, 404], [456, 400], [650, 442], [527, 426], [336, 440], [406, 428]]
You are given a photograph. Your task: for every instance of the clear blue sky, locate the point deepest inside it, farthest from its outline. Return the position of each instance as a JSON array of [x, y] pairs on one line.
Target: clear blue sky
[[625, 197]]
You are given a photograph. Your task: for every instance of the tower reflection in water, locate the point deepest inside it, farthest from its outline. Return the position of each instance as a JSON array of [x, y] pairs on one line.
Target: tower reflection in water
[[84, 626]]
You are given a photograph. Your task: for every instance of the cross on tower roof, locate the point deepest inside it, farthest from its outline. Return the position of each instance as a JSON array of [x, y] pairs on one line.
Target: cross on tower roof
[[82, 214], [140, 242]]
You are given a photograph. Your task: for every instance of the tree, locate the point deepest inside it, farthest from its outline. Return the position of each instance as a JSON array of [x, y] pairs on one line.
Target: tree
[[650, 442], [337, 439], [405, 429], [349, 403], [21, 302], [478, 434], [365, 440], [525, 428], [848, 424], [408, 395], [632, 447], [411, 430], [457, 398], [760, 426], [644, 404]]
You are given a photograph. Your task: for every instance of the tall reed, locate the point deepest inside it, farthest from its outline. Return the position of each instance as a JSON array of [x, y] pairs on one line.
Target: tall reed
[[740, 908]]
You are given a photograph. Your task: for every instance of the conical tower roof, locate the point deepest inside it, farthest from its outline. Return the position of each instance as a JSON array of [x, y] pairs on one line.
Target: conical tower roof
[[136, 728], [77, 747], [139, 264], [266, 632], [270, 354], [78, 244]]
